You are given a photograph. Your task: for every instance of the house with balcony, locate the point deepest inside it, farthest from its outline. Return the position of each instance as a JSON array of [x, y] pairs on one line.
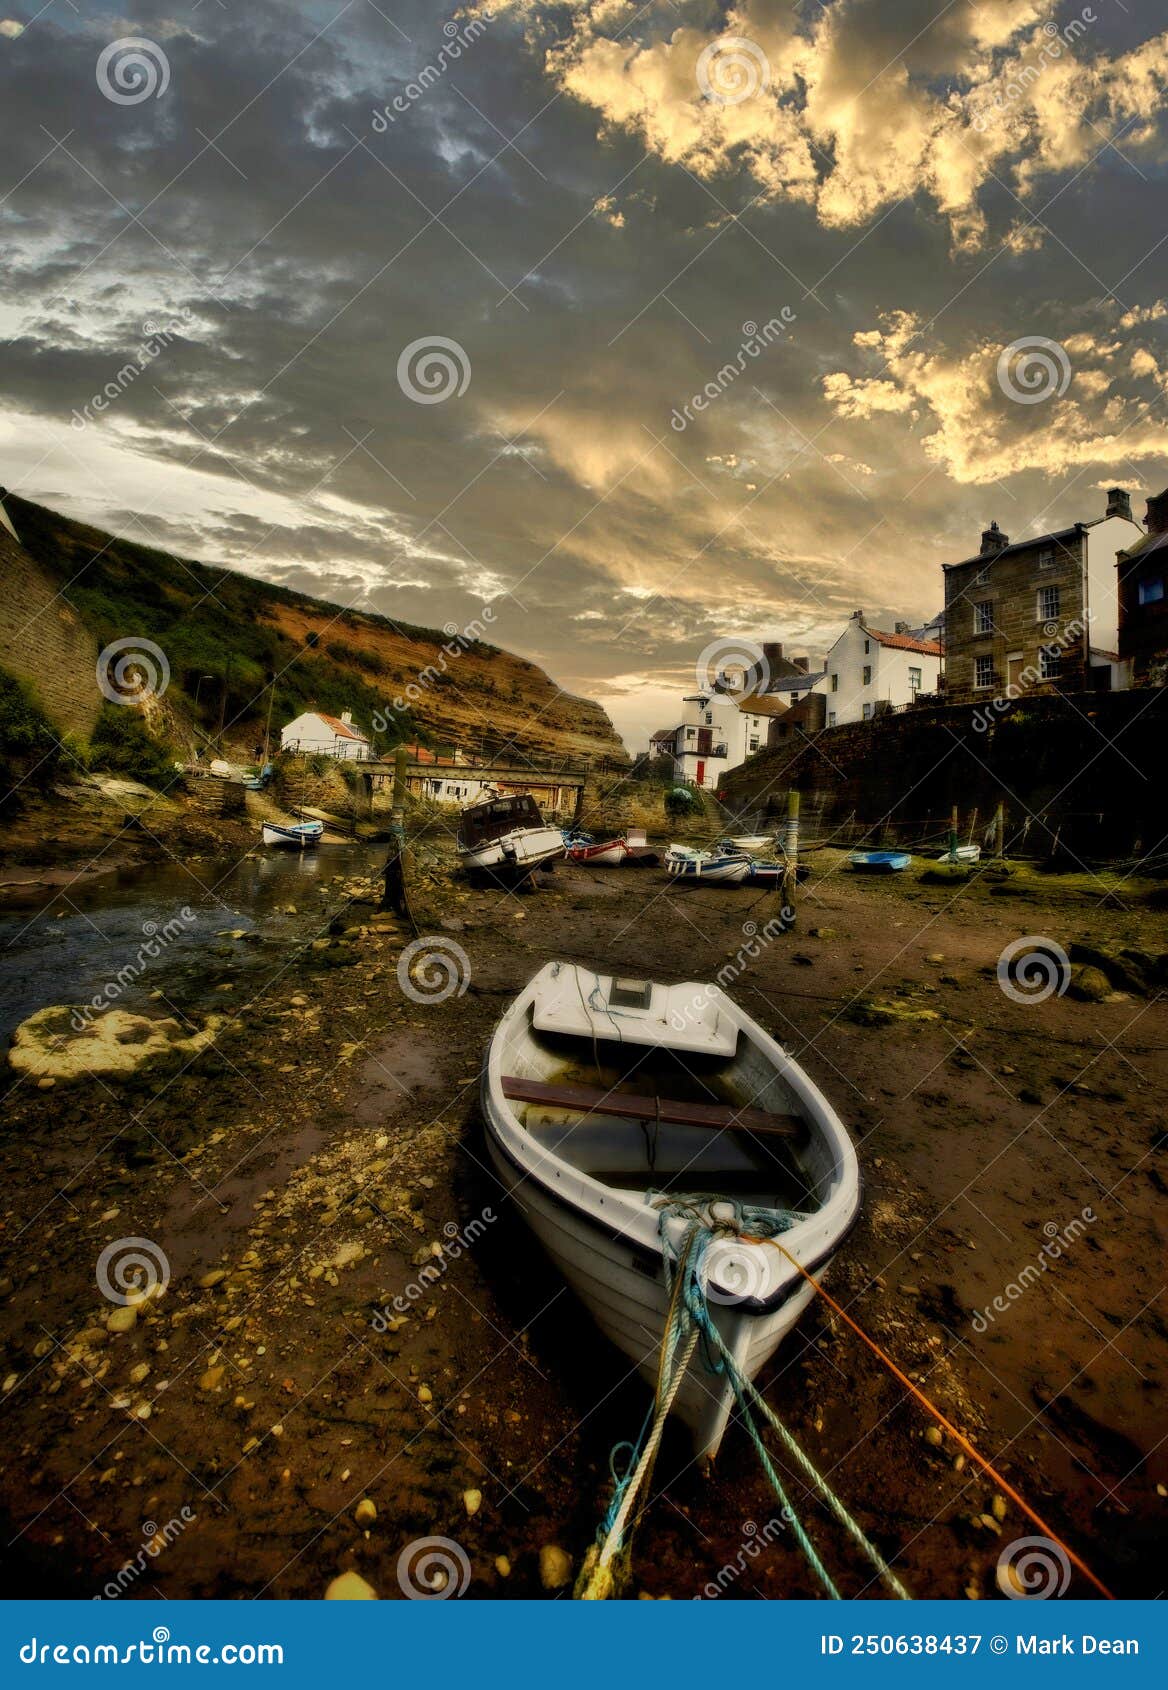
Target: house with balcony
[[869, 670], [1143, 600], [713, 737], [1039, 614]]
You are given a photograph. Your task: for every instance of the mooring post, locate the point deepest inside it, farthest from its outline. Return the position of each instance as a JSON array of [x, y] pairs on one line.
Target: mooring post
[[791, 848], [953, 834], [395, 897], [1000, 832]]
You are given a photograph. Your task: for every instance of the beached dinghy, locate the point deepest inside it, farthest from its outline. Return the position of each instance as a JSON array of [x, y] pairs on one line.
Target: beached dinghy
[[961, 854], [506, 838], [638, 852], [880, 862], [746, 842], [603, 853], [728, 867], [617, 1112], [303, 836]]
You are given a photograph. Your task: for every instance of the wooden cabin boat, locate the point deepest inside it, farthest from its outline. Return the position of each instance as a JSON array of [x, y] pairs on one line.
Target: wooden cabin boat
[[619, 1111], [880, 862], [604, 853], [301, 836], [506, 838]]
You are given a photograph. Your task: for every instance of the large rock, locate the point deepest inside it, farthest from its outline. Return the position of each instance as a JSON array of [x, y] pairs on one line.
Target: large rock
[[56, 1043], [1125, 966]]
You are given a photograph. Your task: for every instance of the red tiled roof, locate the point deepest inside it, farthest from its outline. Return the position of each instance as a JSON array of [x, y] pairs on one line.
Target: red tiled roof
[[904, 642], [345, 729]]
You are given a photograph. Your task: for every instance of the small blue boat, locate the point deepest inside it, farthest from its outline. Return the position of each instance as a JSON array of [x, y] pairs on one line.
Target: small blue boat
[[304, 836], [880, 862]]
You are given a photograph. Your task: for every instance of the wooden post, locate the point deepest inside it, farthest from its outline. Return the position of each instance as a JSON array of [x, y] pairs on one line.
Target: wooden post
[[268, 723], [1000, 832], [953, 834], [395, 896], [791, 850]]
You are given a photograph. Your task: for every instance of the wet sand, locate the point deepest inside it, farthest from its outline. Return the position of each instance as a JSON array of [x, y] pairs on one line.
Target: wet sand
[[298, 1175]]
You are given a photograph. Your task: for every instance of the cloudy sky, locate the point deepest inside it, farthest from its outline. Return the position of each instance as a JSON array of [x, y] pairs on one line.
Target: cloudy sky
[[438, 288]]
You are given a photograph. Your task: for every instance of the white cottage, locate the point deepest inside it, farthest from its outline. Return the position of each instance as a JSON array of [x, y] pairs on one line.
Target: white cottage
[[332, 736], [869, 667]]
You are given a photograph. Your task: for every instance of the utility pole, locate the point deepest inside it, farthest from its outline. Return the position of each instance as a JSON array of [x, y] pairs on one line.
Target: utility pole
[[223, 701]]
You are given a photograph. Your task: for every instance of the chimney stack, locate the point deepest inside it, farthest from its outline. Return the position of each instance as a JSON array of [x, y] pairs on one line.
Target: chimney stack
[[993, 540], [803, 664], [1119, 502], [347, 718], [857, 616], [1157, 517]]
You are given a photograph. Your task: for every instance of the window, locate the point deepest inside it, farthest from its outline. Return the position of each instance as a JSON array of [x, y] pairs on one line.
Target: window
[[709, 718], [981, 579], [914, 681], [867, 674], [1152, 590], [752, 743], [831, 718], [1050, 662], [690, 732], [867, 712], [983, 618], [1046, 558], [835, 683], [983, 671], [1048, 604], [867, 647]]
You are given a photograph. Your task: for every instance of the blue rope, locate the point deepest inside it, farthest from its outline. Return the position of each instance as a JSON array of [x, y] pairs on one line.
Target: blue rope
[[621, 1482]]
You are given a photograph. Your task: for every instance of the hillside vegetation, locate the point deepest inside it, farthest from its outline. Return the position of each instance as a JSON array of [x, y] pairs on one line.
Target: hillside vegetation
[[225, 636]]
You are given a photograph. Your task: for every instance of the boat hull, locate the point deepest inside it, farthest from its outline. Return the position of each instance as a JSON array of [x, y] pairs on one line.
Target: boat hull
[[609, 853], [880, 862], [305, 838], [729, 871], [515, 853]]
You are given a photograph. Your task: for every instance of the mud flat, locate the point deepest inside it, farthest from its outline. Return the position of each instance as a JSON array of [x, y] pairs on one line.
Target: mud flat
[[358, 1346]]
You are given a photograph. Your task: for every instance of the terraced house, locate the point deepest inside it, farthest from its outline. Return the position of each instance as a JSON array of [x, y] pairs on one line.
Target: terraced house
[[1039, 614]]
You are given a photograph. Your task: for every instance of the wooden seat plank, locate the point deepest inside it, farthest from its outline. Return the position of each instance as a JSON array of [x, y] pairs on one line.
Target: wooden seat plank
[[628, 1106]]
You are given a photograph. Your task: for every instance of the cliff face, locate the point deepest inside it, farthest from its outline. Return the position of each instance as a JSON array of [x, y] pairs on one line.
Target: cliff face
[[224, 636]]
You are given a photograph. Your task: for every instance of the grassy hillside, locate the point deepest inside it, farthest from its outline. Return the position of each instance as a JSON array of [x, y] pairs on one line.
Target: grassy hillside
[[225, 635]]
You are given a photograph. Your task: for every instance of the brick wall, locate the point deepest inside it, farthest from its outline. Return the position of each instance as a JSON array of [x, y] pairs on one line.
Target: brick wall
[[44, 642], [1011, 584]]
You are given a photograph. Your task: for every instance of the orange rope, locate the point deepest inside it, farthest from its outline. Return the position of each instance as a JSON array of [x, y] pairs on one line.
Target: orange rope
[[958, 1436]]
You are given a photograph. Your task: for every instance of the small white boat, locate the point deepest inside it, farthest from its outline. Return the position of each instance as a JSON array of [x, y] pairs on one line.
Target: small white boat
[[728, 868], [748, 841], [302, 836], [506, 838], [961, 854], [617, 1111], [604, 853]]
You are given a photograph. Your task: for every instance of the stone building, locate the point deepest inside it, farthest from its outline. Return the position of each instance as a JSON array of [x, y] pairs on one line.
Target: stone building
[[1041, 613], [1143, 600]]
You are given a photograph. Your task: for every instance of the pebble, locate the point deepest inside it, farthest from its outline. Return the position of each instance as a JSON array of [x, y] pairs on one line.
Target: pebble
[[425, 1394], [137, 1374], [503, 1566], [365, 1512], [555, 1567], [350, 1587], [122, 1320], [933, 1436], [472, 1501], [210, 1280], [212, 1379], [998, 1508]]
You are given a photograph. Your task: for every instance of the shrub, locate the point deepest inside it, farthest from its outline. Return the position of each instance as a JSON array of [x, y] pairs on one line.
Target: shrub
[[121, 744], [30, 750]]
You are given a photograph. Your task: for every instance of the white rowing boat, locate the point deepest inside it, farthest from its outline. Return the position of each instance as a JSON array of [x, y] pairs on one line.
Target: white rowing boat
[[729, 867], [302, 836], [617, 1111]]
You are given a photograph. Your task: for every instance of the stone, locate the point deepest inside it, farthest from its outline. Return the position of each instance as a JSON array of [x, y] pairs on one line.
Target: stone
[[350, 1587], [113, 1045], [123, 1319], [365, 1512], [998, 1508], [212, 1378], [1090, 985], [933, 1436], [210, 1280], [555, 1567], [472, 1501], [425, 1394], [503, 1566]]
